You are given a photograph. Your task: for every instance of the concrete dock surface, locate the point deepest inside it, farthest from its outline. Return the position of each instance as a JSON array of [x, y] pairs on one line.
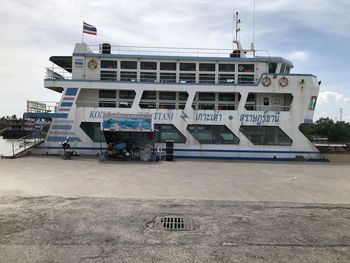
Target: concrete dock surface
[[81, 210]]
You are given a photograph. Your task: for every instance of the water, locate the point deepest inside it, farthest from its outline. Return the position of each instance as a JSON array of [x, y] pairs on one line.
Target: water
[[5, 146]]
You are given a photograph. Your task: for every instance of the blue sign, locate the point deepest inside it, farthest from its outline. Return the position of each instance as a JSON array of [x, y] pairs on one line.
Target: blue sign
[[127, 122]]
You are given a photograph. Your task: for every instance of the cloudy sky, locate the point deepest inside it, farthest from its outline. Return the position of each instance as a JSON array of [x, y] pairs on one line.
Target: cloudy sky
[[314, 34]]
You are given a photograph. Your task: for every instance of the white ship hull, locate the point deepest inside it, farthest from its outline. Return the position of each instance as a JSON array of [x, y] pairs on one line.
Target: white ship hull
[[302, 87]]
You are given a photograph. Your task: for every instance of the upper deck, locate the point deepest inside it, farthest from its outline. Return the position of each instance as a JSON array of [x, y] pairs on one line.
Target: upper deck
[[166, 65]]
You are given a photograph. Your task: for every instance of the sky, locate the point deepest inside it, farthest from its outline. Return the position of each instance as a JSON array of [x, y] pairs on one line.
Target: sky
[[313, 34]]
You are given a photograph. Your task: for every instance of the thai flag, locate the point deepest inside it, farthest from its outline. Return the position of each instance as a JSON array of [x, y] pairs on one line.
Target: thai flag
[[89, 29]]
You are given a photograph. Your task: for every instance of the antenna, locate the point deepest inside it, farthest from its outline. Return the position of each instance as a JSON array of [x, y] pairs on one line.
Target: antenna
[[254, 12], [341, 114], [233, 18], [237, 22]]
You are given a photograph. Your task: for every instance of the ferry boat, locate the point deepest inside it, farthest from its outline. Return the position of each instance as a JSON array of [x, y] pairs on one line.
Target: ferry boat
[[213, 103]]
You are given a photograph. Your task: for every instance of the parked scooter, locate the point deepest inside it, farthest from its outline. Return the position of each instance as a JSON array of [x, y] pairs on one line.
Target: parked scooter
[[68, 152], [117, 152]]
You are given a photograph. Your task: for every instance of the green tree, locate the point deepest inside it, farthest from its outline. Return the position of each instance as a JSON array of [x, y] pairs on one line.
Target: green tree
[[340, 132], [323, 126]]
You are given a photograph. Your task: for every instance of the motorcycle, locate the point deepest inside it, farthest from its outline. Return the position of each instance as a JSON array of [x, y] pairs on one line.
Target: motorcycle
[[117, 152], [68, 152]]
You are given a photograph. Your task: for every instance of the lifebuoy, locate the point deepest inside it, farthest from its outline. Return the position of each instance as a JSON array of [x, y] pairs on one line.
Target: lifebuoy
[[92, 64], [266, 81], [283, 82]]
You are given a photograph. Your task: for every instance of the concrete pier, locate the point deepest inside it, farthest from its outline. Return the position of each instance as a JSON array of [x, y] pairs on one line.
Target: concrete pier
[[81, 210]]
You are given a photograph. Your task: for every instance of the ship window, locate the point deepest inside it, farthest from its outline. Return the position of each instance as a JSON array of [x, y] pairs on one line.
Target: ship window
[[227, 67], [312, 104], [188, 66], [287, 69], [167, 105], [149, 95], [147, 105], [167, 95], [187, 78], [206, 78], [167, 66], [168, 132], [183, 96], [149, 65], [246, 68], [245, 79], [227, 96], [128, 76], [226, 78], [125, 104], [167, 77], [206, 106], [266, 102], [251, 97], [206, 96], [266, 135], [148, 77], [227, 107], [107, 104], [206, 67], [129, 65], [107, 94], [108, 75], [212, 134], [272, 67], [127, 94], [93, 130], [109, 64], [283, 68]]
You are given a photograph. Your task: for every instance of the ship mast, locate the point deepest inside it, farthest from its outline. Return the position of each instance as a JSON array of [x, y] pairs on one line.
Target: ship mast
[[237, 23], [237, 47]]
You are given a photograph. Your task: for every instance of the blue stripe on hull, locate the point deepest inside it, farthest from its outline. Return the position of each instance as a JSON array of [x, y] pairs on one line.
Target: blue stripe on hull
[[244, 151], [61, 127], [247, 158], [211, 157]]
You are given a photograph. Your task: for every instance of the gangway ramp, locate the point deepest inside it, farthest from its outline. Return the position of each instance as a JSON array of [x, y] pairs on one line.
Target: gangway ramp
[[22, 146]]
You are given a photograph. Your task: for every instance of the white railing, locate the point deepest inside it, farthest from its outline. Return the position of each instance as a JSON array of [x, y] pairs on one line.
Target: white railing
[[250, 107], [57, 73], [42, 106], [21, 145], [176, 51]]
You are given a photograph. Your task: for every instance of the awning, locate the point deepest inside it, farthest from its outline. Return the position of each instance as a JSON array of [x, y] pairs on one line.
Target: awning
[[64, 62]]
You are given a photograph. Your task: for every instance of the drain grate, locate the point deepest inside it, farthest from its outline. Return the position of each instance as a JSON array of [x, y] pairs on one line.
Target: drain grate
[[176, 223]]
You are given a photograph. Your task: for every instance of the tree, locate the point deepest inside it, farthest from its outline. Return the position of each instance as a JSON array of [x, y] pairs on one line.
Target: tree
[[323, 126], [340, 132]]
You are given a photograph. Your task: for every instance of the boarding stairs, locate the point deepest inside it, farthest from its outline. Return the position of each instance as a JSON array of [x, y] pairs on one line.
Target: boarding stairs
[[22, 145]]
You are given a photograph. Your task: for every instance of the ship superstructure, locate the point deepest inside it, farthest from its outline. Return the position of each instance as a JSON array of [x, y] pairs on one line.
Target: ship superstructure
[[220, 104]]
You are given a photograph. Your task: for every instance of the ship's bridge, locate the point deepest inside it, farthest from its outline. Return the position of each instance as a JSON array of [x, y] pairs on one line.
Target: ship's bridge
[[165, 65]]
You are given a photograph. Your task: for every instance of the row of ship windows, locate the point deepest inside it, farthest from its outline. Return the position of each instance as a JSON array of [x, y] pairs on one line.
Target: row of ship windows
[[202, 100], [204, 134], [173, 66], [182, 78]]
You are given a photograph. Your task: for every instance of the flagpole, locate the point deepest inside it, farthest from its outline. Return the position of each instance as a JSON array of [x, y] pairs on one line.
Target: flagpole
[[82, 35]]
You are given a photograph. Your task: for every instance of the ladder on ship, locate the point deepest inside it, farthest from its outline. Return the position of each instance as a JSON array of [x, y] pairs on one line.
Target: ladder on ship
[[22, 145]]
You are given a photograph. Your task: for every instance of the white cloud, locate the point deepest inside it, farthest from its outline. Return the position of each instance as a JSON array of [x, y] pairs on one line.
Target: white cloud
[[325, 97], [298, 55], [329, 104]]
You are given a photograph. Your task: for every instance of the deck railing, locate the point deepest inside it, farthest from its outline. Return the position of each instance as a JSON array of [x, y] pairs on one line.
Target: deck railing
[[22, 145], [57, 73], [42, 106], [176, 51]]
